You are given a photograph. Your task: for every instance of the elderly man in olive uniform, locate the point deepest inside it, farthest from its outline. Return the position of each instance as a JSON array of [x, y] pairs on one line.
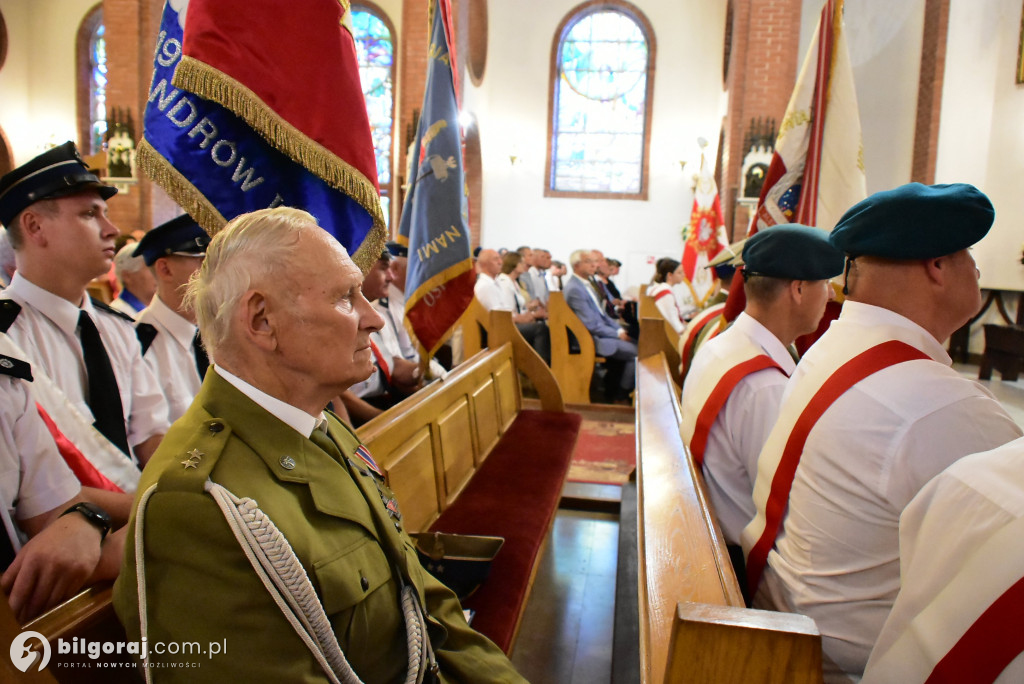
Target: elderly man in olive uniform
[[309, 570]]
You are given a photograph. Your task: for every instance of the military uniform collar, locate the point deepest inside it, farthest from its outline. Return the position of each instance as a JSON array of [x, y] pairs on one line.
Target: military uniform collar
[[293, 417]]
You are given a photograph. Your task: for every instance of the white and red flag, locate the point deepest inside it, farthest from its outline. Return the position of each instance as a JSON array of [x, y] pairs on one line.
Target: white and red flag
[[817, 169], [704, 237]]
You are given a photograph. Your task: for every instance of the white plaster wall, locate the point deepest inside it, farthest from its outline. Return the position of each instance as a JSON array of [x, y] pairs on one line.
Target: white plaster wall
[[37, 83], [511, 108], [981, 135]]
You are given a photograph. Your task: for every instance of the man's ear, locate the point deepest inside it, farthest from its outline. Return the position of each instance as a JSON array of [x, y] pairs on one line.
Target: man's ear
[[256, 322], [31, 226], [161, 268], [796, 290], [935, 269]]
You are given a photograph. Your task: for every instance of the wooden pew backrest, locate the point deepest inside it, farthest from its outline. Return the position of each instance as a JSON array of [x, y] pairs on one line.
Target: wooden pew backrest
[[444, 432], [572, 371]]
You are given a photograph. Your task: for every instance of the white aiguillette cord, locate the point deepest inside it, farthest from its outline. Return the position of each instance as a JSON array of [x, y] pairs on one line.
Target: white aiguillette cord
[[275, 563]]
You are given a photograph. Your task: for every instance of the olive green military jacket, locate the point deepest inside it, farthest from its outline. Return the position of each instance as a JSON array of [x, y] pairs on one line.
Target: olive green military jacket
[[201, 589]]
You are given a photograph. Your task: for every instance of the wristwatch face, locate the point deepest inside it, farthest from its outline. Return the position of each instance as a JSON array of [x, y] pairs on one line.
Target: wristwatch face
[[93, 513]]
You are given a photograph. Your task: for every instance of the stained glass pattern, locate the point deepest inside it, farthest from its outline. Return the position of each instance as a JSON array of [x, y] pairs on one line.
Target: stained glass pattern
[[375, 50], [600, 105], [97, 88]]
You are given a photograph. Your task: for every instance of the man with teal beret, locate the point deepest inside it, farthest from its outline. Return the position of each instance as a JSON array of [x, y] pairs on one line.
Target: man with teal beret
[[263, 530], [873, 411], [732, 392]]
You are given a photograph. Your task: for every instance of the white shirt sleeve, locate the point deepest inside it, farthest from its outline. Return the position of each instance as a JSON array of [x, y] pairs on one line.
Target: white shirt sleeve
[[33, 476]]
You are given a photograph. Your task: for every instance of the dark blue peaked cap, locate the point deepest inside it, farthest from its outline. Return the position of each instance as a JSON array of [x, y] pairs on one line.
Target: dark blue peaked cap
[[915, 221], [55, 173], [791, 250], [181, 235]]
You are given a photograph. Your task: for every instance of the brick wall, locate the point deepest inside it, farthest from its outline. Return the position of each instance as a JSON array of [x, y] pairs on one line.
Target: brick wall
[[131, 30], [761, 75], [413, 75], [929, 90]]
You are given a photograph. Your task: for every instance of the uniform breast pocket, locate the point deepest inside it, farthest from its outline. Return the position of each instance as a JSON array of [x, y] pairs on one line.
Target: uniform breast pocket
[[361, 600], [351, 576]]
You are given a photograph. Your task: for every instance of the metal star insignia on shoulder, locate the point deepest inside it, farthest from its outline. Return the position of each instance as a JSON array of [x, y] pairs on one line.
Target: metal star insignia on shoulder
[[194, 456]]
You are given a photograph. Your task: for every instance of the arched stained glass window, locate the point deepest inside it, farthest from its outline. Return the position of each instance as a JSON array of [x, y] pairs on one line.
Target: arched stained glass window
[[376, 52], [97, 88], [91, 81], [601, 95]]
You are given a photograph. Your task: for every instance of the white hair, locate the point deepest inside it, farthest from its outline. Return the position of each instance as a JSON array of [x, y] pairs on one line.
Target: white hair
[[6, 258], [254, 248], [577, 256], [125, 262]]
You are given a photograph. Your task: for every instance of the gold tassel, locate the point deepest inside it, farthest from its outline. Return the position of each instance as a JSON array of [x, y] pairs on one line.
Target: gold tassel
[[179, 188]]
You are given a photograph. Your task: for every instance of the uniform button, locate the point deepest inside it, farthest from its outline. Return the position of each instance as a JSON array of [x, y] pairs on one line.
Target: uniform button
[[216, 427], [398, 527], [364, 583]]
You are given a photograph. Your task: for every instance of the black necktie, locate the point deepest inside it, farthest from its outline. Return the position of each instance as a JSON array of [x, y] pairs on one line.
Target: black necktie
[[202, 360], [104, 397]]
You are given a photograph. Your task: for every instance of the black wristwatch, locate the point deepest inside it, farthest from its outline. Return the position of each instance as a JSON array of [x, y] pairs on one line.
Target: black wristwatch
[[94, 515]]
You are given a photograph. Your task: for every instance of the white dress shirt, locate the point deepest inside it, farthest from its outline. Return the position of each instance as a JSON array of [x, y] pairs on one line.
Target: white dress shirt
[[489, 294], [746, 418], [665, 300], [47, 329], [960, 551], [511, 296], [836, 558], [171, 356]]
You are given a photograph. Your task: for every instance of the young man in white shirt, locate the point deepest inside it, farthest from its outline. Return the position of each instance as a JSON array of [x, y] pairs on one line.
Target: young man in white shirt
[[167, 330], [55, 212], [732, 393]]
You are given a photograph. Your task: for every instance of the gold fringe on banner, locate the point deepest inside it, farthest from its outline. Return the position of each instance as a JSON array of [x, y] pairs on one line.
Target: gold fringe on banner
[[205, 81], [186, 195]]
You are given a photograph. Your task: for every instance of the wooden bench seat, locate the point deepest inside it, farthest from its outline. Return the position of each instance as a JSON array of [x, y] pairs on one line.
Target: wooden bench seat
[[692, 621], [463, 456]]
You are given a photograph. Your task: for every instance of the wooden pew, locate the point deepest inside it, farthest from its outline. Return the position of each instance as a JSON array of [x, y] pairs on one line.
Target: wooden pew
[[572, 371], [693, 624], [657, 336], [463, 456], [89, 615]]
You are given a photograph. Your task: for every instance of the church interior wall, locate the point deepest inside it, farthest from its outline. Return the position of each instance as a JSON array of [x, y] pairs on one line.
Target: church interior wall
[[37, 81], [980, 138]]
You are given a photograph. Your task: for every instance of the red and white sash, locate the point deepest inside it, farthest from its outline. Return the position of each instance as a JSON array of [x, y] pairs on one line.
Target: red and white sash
[[970, 631], [694, 328], [777, 467], [711, 397], [113, 465]]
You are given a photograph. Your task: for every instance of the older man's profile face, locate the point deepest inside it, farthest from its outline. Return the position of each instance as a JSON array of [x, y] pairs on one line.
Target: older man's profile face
[[325, 328]]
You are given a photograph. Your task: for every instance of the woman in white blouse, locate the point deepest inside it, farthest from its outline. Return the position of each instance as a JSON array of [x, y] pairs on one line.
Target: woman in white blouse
[[667, 272]]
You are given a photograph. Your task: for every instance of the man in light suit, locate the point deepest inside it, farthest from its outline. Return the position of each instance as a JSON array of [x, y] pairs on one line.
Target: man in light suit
[[610, 340], [283, 340]]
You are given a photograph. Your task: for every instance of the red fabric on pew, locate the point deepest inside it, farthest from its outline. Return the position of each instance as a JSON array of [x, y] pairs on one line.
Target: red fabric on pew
[[514, 495]]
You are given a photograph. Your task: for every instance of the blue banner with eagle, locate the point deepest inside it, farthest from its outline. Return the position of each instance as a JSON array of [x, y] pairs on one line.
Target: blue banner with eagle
[[435, 215]]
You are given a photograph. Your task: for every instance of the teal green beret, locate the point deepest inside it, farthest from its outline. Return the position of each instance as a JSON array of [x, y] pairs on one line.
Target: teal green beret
[[915, 221], [791, 250]]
